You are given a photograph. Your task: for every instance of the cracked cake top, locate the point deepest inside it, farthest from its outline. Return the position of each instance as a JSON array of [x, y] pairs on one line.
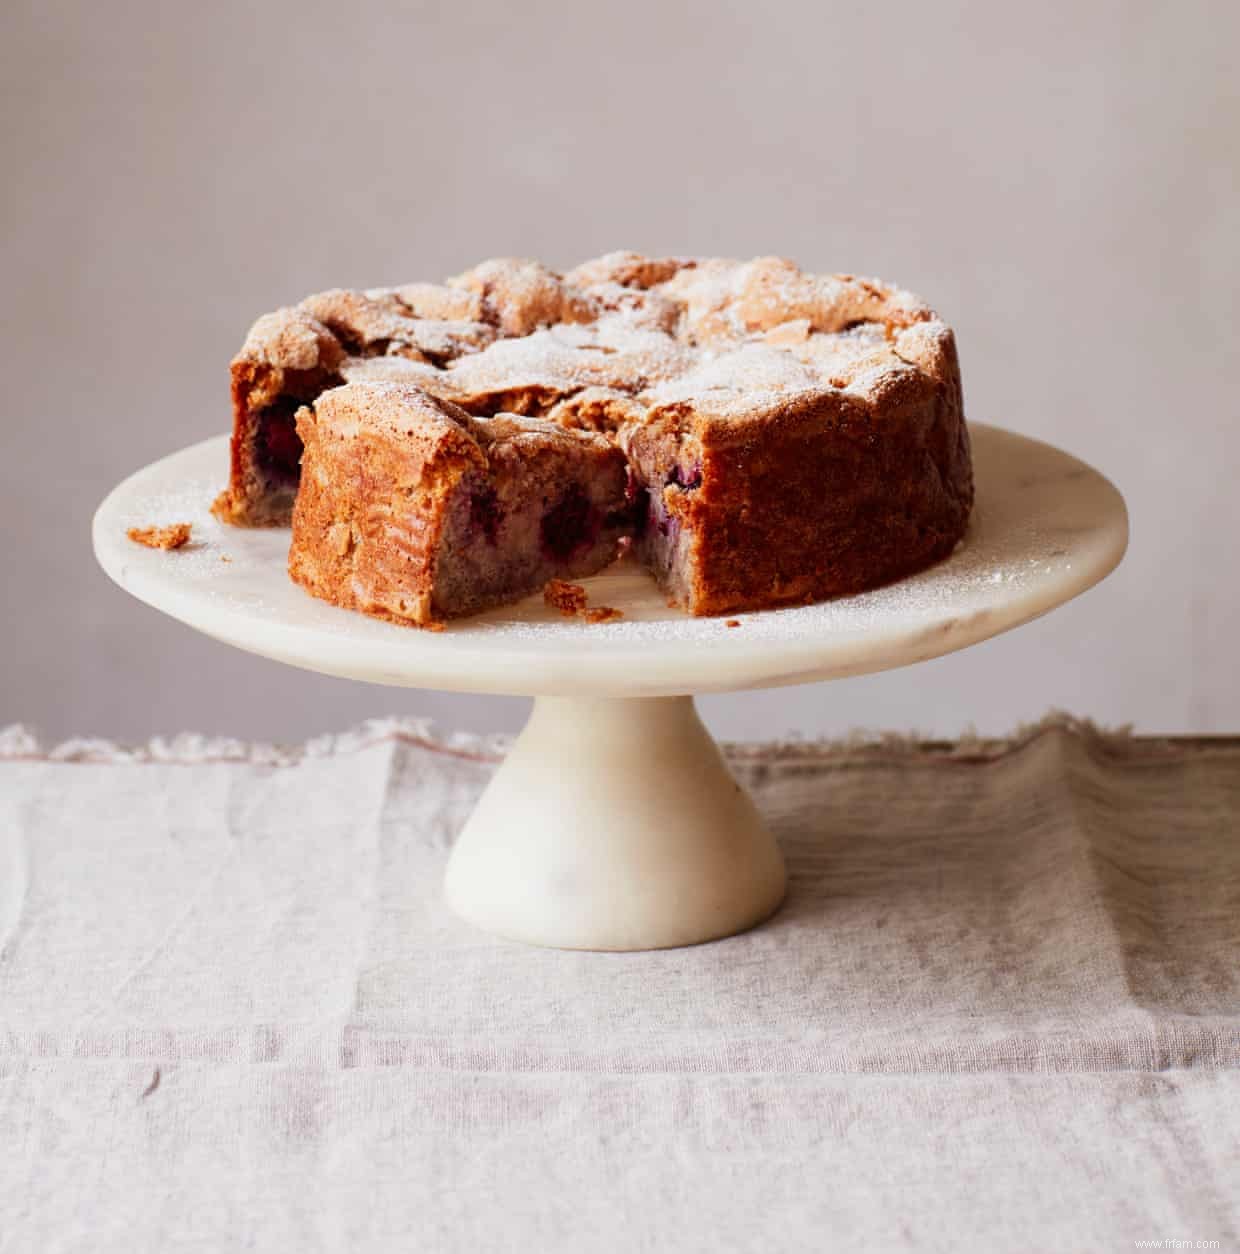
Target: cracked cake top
[[614, 339]]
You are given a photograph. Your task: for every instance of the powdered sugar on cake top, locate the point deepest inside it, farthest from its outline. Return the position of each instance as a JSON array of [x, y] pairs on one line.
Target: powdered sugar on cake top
[[511, 334]]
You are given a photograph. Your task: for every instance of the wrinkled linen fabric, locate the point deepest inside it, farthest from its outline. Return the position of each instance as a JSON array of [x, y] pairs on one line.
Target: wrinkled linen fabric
[[999, 1010]]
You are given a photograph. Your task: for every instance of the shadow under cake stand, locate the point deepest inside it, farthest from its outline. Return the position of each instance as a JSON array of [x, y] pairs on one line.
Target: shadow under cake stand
[[614, 823]]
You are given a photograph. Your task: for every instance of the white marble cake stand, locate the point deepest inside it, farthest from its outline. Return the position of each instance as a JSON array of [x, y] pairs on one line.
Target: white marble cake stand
[[613, 823]]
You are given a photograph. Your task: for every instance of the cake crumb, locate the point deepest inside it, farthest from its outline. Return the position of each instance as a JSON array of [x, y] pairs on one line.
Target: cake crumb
[[733, 622], [225, 558], [569, 598], [603, 614], [173, 536], [572, 601]]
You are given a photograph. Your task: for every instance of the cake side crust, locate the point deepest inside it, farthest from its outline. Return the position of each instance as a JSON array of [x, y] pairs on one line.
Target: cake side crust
[[413, 511], [381, 461], [823, 491]]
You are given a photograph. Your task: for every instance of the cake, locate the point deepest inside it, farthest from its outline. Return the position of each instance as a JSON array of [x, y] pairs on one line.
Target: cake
[[787, 436]]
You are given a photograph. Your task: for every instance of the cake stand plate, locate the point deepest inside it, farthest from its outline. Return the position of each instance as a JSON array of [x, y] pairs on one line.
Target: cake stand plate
[[613, 823]]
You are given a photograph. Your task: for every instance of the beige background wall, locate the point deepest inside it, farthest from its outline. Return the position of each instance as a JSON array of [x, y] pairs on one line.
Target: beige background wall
[[1059, 180]]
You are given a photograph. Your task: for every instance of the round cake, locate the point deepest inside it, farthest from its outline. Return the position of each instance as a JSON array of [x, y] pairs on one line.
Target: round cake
[[759, 436]]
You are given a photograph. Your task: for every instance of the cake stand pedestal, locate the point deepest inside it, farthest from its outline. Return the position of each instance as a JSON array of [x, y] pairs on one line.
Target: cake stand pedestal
[[614, 823]]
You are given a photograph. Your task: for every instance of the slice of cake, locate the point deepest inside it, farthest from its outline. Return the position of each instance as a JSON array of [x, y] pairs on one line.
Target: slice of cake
[[412, 510], [769, 484]]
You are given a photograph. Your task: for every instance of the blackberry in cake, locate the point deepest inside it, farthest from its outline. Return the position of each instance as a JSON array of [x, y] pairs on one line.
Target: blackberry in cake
[[789, 436], [412, 510]]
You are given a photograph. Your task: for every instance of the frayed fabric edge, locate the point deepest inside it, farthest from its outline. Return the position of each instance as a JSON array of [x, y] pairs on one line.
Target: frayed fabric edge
[[18, 743], [191, 748]]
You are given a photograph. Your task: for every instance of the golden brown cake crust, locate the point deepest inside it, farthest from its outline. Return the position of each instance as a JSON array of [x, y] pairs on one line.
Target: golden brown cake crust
[[401, 489], [359, 539], [797, 435]]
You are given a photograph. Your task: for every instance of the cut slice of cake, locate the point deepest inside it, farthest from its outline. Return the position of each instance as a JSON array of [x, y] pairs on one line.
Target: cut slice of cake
[[412, 510], [772, 482]]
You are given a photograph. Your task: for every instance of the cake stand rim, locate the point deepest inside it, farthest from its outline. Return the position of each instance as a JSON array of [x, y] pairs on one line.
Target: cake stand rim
[[577, 660]]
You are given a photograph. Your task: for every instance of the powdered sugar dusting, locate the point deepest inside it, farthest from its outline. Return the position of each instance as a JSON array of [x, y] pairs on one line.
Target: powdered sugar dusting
[[735, 337], [567, 358], [747, 380]]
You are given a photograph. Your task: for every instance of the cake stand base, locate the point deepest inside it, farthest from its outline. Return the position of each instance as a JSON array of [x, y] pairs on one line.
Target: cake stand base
[[614, 824]]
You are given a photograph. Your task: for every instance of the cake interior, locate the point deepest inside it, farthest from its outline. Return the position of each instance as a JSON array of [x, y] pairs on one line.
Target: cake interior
[[272, 398], [508, 532], [665, 544]]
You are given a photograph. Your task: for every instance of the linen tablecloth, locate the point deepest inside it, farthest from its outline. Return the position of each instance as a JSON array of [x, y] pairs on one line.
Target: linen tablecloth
[[1000, 1010]]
